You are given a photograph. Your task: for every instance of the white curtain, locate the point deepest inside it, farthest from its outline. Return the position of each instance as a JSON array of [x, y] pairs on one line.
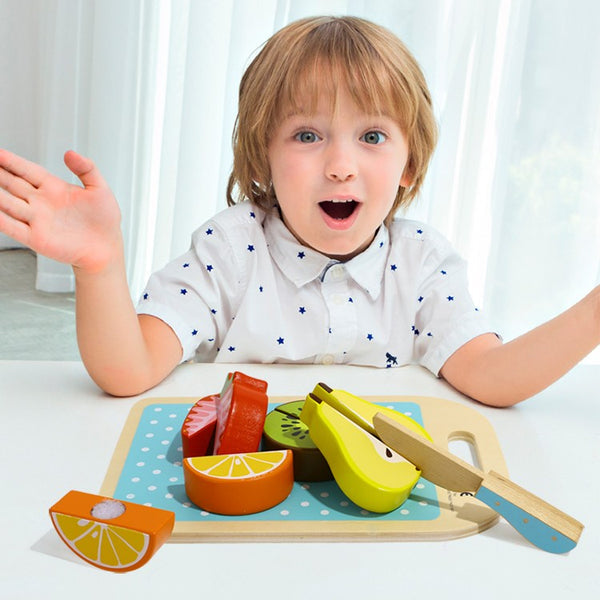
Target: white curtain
[[148, 89]]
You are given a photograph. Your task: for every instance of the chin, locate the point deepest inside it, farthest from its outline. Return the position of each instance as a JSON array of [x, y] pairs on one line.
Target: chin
[[341, 253]]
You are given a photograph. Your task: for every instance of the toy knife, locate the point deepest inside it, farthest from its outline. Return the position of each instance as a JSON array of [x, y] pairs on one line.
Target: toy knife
[[539, 522]]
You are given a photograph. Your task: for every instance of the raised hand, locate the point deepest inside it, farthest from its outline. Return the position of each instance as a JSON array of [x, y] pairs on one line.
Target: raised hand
[[81, 226], [68, 223]]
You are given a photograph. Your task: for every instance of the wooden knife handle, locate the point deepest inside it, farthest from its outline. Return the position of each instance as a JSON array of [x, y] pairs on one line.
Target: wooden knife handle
[[536, 520]]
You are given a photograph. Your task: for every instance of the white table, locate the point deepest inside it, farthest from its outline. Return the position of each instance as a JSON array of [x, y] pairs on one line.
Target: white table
[[59, 433]]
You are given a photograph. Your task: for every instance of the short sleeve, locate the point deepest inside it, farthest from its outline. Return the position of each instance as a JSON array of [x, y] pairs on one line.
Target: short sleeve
[[195, 293], [447, 317]]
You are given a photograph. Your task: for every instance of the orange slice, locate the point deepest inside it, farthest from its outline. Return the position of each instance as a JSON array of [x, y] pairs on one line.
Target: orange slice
[[239, 484], [110, 534]]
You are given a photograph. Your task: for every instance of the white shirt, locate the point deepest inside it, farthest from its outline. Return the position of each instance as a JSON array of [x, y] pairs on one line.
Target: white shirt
[[247, 291]]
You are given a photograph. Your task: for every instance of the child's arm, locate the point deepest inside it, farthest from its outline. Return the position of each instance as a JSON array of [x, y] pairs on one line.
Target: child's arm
[[504, 374], [80, 226], [124, 353]]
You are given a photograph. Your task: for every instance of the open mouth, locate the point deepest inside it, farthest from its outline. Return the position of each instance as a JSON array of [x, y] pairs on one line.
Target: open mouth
[[339, 209]]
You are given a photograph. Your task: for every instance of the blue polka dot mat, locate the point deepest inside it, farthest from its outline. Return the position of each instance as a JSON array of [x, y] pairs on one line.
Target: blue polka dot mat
[[152, 474]]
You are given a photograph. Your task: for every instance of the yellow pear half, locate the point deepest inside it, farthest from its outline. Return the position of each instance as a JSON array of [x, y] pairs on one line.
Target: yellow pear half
[[372, 475]]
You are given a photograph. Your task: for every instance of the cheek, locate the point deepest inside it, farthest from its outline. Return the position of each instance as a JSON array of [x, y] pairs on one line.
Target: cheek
[[385, 174], [290, 173], [396, 169], [277, 165]]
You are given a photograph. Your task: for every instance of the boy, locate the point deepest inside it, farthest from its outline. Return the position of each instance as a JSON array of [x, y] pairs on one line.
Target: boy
[[334, 133]]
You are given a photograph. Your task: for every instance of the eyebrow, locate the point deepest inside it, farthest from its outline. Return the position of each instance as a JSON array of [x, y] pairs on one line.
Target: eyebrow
[[300, 112], [306, 114]]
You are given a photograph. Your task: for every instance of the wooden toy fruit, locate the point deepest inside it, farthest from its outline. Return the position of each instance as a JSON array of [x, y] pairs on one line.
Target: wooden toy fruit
[[198, 429], [368, 472], [110, 534], [239, 484], [362, 411], [241, 411], [284, 430]]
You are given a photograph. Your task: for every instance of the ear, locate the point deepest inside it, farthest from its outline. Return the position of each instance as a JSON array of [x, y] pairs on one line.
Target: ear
[[406, 181], [408, 177]]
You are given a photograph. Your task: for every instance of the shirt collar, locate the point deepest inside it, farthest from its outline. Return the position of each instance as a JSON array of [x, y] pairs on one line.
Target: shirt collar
[[297, 262], [302, 265], [367, 268]]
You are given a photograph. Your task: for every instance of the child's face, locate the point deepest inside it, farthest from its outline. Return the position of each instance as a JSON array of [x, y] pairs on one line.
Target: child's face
[[336, 174]]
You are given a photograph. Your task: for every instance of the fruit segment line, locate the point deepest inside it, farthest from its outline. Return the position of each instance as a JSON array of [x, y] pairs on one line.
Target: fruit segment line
[[84, 522], [263, 461], [133, 548], [112, 546], [99, 551], [225, 458]]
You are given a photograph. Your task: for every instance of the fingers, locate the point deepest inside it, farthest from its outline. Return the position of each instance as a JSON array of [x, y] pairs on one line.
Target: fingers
[[28, 171], [14, 190], [34, 174], [85, 169], [13, 219], [14, 207], [15, 185], [14, 229]]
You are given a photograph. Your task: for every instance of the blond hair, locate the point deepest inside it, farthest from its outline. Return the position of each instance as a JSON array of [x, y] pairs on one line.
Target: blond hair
[[317, 55]]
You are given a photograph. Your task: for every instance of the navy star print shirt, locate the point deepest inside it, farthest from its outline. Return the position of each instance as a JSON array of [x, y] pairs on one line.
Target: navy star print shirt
[[248, 291]]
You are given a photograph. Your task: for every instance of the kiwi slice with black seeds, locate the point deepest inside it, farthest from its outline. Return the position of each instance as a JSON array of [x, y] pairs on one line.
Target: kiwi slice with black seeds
[[284, 430]]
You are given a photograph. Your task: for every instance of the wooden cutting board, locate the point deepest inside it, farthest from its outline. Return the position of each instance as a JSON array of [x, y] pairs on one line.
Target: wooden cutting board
[[146, 468]]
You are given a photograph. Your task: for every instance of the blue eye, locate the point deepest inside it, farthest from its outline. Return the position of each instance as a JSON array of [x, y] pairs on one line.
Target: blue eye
[[307, 137], [373, 137]]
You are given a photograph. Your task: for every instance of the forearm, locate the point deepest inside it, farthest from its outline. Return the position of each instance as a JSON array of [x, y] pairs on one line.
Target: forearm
[[80, 226], [111, 341], [505, 374]]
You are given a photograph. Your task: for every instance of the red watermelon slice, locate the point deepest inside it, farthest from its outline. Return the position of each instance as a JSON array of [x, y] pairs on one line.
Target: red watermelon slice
[[197, 431]]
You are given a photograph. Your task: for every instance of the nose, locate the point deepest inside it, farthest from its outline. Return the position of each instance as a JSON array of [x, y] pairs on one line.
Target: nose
[[340, 163]]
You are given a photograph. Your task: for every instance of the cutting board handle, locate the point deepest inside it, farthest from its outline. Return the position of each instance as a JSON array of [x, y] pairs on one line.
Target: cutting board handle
[[449, 421]]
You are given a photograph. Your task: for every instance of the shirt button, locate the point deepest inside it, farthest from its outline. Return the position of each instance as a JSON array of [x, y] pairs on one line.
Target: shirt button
[[337, 299], [327, 359]]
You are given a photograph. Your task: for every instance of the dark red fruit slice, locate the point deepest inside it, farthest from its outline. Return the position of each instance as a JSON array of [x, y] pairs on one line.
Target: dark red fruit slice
[[241, 412]]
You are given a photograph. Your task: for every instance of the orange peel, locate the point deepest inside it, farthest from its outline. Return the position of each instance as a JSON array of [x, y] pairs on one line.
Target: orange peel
[[110, 534]]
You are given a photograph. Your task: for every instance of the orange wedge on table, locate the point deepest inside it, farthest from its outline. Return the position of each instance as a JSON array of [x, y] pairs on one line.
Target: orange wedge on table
[[87, 525], [239, 484]]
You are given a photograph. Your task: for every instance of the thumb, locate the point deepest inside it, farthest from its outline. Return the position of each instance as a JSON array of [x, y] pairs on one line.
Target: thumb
[[85, 169]]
